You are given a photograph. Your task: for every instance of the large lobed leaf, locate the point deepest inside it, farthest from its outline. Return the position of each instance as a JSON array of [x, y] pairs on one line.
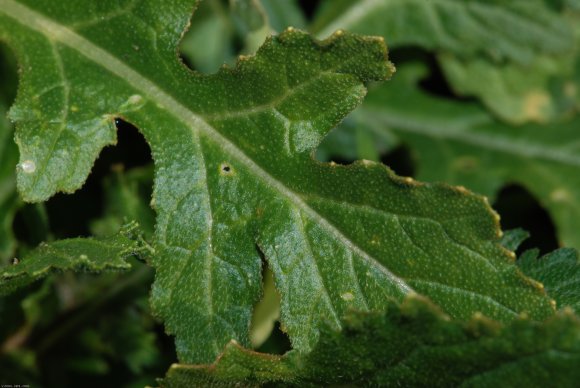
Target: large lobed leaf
[[559, 272], [235, 175], [412, 345]]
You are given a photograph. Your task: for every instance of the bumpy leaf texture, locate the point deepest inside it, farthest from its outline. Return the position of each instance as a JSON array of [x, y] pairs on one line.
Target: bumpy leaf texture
[[411, 345], [77, 254], [459, 143], [235, 175], [559, 272], [523, 78]]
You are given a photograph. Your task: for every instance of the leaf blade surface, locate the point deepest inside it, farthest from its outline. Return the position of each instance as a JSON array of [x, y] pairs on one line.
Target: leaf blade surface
[[234, 171], [411, 344]]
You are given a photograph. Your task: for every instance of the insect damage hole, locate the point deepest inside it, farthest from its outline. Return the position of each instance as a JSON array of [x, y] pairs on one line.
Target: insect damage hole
[[226, 169]]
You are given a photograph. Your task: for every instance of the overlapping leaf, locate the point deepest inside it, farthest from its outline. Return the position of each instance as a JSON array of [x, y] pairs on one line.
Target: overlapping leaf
[[461, 144], [517, 30], [518, 57], [235, 174], [410, 345], [210, 41], [80, 254], [559, 272]]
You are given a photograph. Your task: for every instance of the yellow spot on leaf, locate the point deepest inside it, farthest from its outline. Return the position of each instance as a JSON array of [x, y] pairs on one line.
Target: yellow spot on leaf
[[535, 106], [560, 195]]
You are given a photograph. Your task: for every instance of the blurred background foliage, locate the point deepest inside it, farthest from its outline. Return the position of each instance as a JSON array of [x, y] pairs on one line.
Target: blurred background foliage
[[486, 95]]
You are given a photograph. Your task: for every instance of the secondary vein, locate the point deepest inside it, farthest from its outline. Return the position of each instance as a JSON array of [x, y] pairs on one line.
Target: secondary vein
[[56, 32]]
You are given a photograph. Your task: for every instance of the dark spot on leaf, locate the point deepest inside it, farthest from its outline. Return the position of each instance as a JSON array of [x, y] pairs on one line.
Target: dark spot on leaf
[[226, 169]]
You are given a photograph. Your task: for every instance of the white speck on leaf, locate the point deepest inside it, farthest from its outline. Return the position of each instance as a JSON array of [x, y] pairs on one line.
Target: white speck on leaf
[[135, 99], [28, 166], [347, 296]]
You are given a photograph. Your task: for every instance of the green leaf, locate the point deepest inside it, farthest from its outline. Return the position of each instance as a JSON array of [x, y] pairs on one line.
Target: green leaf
[[459, 143], [78, 254], [284, 14], [208, 43], [8, 198], [517, 30], [538, 92], [513, 238], [252, 23], [124, 336], [558, 271], [523, 50], [235, 174], [127, 197], [409, 345]]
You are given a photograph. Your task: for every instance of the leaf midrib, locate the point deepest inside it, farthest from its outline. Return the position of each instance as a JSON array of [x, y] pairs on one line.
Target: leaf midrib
[[56, 32]]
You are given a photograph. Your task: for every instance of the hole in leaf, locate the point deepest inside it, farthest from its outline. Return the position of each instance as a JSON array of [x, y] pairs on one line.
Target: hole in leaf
[[70, 215], [400, 160], [277, 343], [519, 208], [266, 335], [225, 168]]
